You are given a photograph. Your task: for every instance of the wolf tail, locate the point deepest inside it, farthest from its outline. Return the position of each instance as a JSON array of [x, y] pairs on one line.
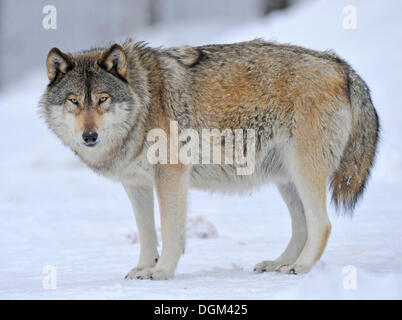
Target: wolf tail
[[349, 180]]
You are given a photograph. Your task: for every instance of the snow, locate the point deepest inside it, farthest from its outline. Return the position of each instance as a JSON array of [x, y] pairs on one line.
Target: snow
[[56, 212]]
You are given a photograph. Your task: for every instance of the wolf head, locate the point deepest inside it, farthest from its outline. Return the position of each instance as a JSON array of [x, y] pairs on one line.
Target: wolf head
[[91, 103]]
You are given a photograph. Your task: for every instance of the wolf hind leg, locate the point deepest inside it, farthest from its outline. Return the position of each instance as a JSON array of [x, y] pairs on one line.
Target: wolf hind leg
[[310, 182], [299, 230]]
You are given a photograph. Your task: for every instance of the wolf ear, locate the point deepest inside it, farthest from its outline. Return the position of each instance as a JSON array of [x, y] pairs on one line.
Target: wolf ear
[[114, 60], [58, 61]]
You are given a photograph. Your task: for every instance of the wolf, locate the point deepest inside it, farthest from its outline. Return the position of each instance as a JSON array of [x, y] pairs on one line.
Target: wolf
[[312, 114]]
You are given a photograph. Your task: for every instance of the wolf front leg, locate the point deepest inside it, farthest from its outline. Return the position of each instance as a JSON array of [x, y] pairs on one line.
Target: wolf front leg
[[171, 186], [142, 201]]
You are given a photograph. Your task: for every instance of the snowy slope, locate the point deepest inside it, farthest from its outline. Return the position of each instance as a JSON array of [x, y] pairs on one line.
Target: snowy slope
[[56, 212]]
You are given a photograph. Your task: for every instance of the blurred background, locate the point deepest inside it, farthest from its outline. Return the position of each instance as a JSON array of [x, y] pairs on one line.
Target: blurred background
[[24, 42], [55, 211]]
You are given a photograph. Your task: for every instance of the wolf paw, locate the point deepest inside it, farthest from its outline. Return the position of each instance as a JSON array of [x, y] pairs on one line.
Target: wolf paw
[[161, 274], [134, 273], [149, 273], [293, 268], [266, 266]]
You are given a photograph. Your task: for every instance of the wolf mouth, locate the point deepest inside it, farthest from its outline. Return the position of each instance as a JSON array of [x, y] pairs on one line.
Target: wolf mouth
[[90, 144]]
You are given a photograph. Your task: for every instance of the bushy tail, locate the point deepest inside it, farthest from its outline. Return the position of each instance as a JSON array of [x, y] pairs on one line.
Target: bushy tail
[[349, 180]]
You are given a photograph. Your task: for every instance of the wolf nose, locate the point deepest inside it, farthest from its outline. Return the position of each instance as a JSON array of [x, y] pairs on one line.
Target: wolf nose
[[90, 137]]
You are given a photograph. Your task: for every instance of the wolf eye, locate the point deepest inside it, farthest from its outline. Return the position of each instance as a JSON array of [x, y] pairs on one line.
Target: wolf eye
[[102, 99], [73, 100]]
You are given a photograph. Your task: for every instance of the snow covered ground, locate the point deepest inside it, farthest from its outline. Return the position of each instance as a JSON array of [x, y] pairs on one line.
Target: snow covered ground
[[56, 212]]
